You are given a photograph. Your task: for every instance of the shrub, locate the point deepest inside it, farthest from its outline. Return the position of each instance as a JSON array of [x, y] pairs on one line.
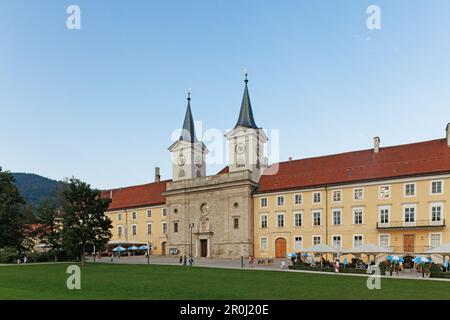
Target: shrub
[[383, 267], [445, 275], [327, 269], [8, 255]]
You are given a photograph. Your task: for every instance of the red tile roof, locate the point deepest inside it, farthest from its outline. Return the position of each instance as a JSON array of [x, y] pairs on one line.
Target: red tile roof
[[137, 196], [391, 162], [429, 157]]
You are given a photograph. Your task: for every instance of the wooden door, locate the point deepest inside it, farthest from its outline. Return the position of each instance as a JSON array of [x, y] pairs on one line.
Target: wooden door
[[204, 248], [163, 248], [280, 248], [408, 243]]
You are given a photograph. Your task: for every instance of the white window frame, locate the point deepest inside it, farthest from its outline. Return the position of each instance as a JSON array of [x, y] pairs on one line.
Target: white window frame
[[164, 228], [261, 202], [301, 199], [119, 216], [362, 216], [316, 236], [261, 220], [284, 201], [340, 218], [440, 239], [384, 235], [284, 219], [134, 228], [151, 228], [261, 244], [164, 212], [301, 243], [320, 196], [384, 224], [436, 204], [301, 219], [340, 240], [415, 190], [404, 207], [388, 186], [362, 194], [340, 196], [133, 215], [320, 217], [119, 234], [357, 235], [149, 213], [437, 193]]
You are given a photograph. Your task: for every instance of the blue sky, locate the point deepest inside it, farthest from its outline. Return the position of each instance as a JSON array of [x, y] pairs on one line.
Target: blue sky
[[101, 103]]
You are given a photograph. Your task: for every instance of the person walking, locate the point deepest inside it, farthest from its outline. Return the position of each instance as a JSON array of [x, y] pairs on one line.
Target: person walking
[[181, 259]]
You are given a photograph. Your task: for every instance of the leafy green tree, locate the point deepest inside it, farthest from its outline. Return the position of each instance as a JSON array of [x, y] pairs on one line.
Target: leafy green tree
[[84, 221], [15, 217], [49, 226]]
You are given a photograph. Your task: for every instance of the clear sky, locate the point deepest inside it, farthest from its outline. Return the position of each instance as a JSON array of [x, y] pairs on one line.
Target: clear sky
[[101, 103]]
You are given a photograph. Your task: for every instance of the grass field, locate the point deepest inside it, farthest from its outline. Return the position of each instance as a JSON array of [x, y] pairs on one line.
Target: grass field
[[105, 281]]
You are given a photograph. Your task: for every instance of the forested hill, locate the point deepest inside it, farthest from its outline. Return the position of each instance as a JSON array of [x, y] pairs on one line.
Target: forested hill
[[35, 188]]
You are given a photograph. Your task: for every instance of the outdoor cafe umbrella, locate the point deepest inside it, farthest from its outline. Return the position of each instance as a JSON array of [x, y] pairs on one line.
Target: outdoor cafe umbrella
[[395, 259], [292, 255], [132, 248], [144, 247], [368, 250], [323, 248], [421, 260], [119, 249]]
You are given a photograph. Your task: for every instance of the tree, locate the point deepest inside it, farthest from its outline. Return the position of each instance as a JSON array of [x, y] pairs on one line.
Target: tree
[[48, 228], [15, 217], [84, 221]]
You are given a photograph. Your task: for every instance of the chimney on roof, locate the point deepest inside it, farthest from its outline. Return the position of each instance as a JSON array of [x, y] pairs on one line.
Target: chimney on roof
[[376, 144], [290, 159], [157, 174], [110, 194], [448, 134]]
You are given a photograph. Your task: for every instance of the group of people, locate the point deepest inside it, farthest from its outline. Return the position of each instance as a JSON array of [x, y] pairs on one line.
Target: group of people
[[22, 260], [184, 261]]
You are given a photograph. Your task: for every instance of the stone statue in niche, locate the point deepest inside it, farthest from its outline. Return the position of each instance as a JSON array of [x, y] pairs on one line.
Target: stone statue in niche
[[204, 224]]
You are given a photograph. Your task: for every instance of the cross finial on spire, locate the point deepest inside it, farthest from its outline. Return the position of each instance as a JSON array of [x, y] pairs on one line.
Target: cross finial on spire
[[246, 75], [189, 94]]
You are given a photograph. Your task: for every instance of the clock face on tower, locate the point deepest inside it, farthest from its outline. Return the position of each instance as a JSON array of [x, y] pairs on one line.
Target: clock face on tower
[[240, 148], [181, 160]]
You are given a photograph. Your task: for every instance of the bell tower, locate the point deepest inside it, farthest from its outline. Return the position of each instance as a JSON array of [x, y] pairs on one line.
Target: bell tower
[[247, 141], [187, 153]]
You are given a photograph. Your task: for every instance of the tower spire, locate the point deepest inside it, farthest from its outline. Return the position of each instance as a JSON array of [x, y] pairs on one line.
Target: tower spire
[[246, 115], [188, 132]]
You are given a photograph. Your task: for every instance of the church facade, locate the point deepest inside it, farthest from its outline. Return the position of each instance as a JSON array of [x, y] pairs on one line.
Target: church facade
[[394, 197]]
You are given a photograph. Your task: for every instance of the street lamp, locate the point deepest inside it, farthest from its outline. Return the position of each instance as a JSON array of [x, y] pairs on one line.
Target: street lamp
[[242, 254], [191, 227], [148, 252]]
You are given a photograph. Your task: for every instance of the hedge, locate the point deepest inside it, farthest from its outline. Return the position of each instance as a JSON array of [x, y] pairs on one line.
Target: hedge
[[328, 269], [445, 275]]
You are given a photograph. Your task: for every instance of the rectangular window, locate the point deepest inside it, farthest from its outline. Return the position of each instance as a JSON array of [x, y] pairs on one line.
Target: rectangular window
[[410, 214], [384, 240], [337, 217], [317, 197], [134, 229], [236, 223], [358, 216], [436, 212], [298, 244], [149, 228], [436, 187], [280, 220], [164, 212], [298, 199], [385, 192], [410, 190], [297, 219], [384, 215], [263, 203], [435, 240], [357, 241], [337, 196], [264, 221], [358, 194], [119, 217], [175, 227], [263, 244], [317, 240], [119, 231], [149, 213], [280, 201], [133, 215], [337, 241], [316, 218], [164, 227]]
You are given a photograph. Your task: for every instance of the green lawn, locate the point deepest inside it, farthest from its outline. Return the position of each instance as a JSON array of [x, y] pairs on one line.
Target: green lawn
[[104, 281]]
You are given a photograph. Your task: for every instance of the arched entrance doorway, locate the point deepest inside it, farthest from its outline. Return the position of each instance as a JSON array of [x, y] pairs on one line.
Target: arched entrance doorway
[[280, 248], [163, 248]]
